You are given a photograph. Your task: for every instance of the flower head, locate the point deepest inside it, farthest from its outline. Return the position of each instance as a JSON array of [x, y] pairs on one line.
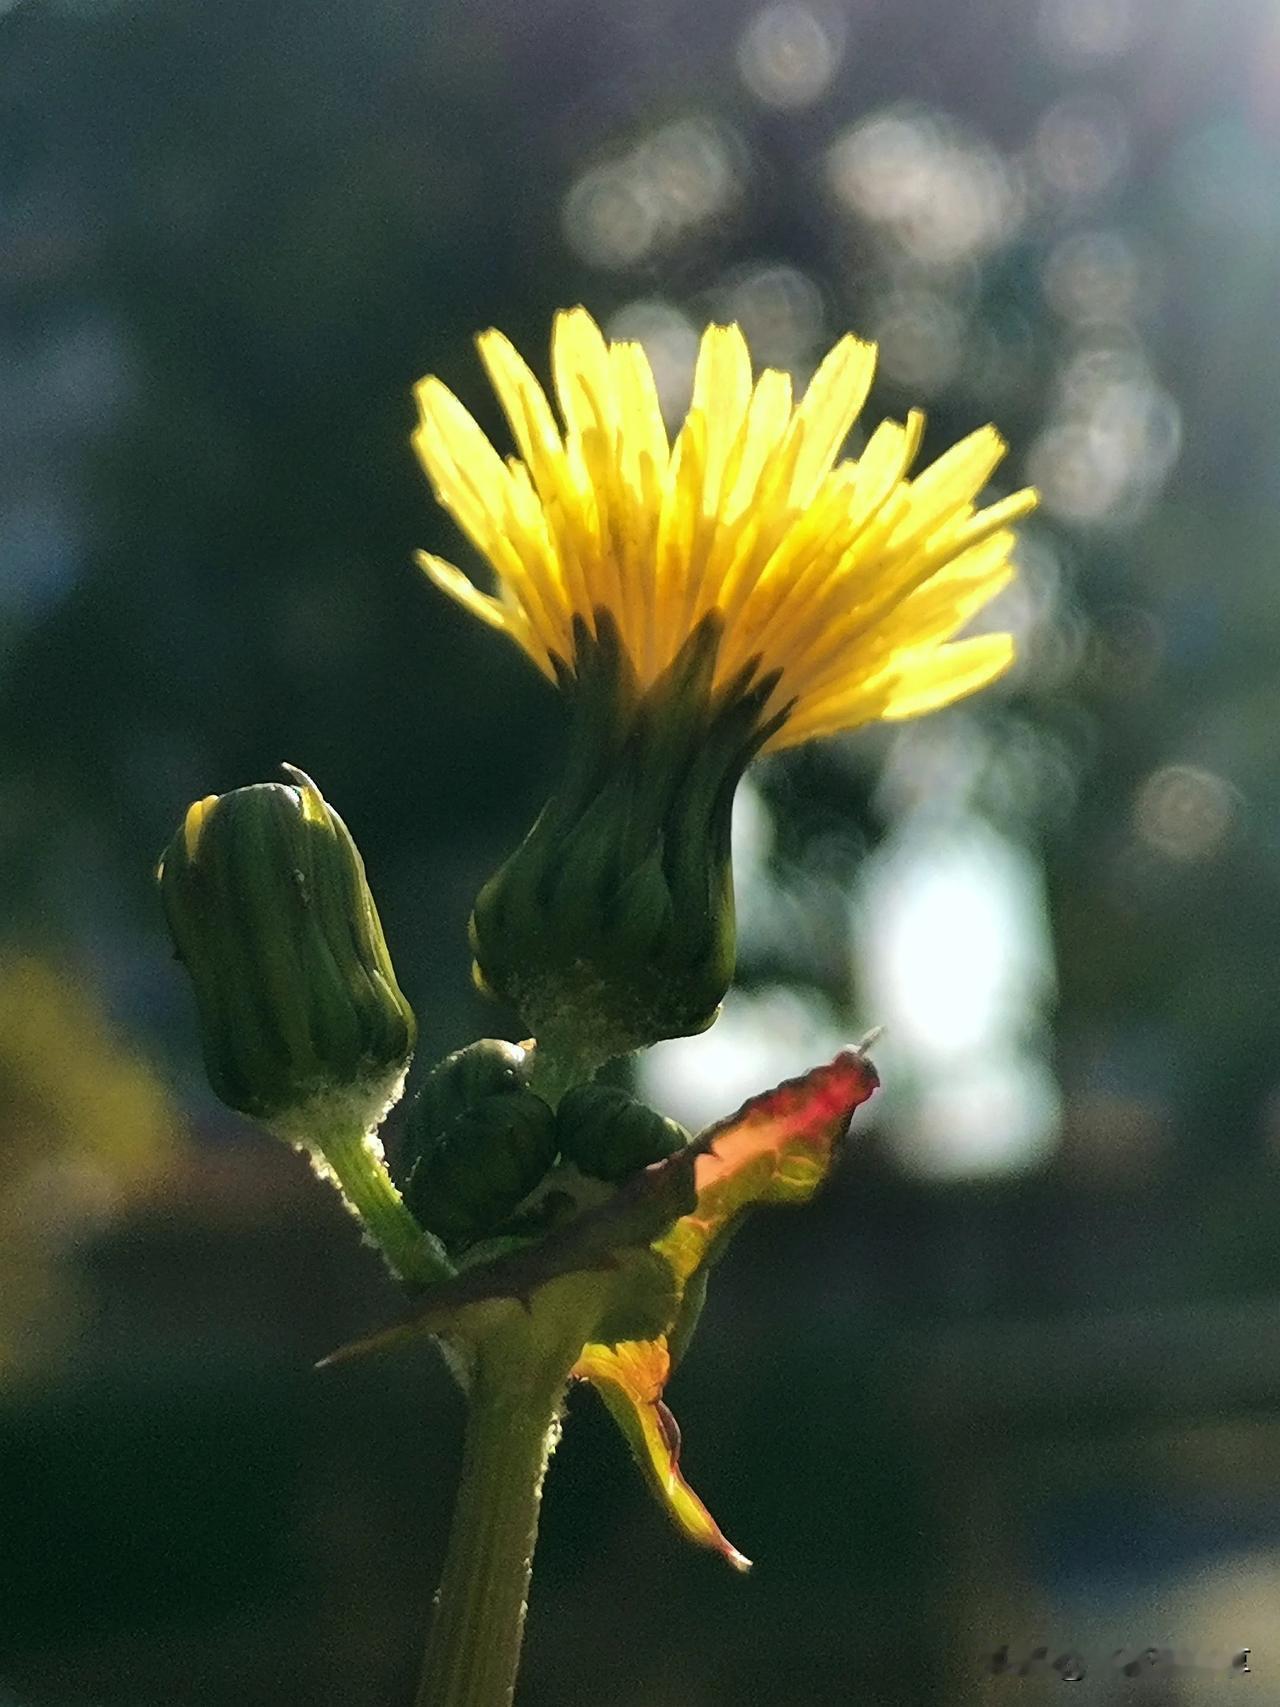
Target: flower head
[[698, 603], [845, 581]]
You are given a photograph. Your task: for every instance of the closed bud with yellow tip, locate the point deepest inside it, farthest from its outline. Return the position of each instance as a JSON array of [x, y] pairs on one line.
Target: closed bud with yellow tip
[[301, 1016]]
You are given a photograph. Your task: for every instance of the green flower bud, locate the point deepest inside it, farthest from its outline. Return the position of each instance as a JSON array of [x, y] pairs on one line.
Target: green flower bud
[[486, 1068], [488, 1160], [607, 1134], [267, 902], [612, 925]]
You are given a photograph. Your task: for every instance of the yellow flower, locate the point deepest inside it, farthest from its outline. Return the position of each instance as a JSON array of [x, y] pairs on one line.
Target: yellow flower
[[848, 579]]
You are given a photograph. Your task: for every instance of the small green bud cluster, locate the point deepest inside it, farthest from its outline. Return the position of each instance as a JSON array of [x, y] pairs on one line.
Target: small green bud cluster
[[607, 1134], [479, 1141], [267, 901]]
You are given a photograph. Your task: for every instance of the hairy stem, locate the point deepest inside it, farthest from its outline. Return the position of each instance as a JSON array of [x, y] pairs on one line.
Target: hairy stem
[[354, 1161], [558, 1069], [473, 1650]]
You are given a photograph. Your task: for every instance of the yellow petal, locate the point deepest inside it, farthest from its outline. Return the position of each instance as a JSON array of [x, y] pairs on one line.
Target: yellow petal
[[763, 429], [949, 674], [830, 406], [505, 615], [721, 394], [952, 481], [461, 590], [583, 378], [645, 450], [846, 581], [523, 400]]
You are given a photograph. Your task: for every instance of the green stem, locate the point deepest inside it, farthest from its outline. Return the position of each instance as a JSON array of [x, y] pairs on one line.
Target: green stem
[[474, 1647], [558, 1069], [357, 1166]]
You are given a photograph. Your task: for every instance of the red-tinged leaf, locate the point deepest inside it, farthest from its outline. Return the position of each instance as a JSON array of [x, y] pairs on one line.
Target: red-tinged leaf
[[778, 1148], [630, 1378]]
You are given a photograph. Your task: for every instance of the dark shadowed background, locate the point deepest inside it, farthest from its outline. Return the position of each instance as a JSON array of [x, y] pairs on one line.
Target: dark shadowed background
[[1014, 1379]]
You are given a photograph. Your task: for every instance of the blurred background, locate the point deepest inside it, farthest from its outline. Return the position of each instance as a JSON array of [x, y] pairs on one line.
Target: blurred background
[[1014, 1382]]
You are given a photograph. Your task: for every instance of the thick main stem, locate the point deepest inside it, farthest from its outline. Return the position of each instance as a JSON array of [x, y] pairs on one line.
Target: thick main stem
[[473, 1650]]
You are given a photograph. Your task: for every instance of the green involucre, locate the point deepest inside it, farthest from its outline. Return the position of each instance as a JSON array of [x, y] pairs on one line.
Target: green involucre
[[612, 925]]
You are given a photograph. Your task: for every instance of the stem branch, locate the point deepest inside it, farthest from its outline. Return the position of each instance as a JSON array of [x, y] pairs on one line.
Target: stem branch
[[356, 1164]]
